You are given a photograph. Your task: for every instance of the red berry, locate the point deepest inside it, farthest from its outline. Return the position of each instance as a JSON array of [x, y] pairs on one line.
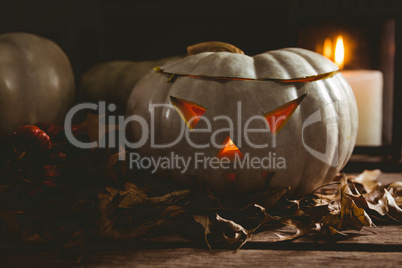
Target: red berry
[[32, 135]]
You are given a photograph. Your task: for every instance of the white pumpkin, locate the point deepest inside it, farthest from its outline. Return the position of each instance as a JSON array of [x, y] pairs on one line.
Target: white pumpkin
[[113, 81], [36, 81], [309, 144]]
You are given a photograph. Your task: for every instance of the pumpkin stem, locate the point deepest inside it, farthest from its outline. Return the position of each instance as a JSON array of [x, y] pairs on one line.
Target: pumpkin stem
[[213, 46]]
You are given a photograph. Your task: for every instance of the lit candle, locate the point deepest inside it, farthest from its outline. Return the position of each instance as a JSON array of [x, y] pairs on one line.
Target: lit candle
[[367, 85]]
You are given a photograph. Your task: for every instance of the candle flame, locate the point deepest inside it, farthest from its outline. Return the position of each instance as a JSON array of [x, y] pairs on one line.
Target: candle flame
[[327, 51], [339, 52]]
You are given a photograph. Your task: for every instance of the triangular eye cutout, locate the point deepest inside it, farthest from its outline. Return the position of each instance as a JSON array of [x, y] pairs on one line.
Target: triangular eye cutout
[[277, 118], [188, 110], [229, 150]]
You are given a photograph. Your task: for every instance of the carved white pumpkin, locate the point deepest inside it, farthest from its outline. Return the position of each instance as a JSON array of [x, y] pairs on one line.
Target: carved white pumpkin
[[303, 107]]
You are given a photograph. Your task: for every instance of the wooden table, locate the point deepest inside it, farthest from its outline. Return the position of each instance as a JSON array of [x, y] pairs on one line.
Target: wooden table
[[379, 246]]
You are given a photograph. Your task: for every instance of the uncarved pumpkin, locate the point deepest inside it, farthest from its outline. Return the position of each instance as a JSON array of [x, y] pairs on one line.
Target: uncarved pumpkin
[[113, 81], [315, 136], [36, 81]]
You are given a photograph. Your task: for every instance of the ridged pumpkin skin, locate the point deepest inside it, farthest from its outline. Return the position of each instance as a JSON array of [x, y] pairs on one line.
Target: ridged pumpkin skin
[[332, 98], [36, 81], [113, 81]]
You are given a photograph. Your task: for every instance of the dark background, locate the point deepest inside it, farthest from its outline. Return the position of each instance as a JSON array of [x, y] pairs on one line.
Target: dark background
[[94, 31]]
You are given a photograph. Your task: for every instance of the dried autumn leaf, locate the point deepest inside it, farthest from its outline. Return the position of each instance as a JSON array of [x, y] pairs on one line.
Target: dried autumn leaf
[[302, 228], [393, 209], [256, 216], [330, 224], [113, 162], [368, 179], [131, 197], [204, 221], [173, 211], [395, 189], [351, 216], [334, 207], [348, 217], [316, 212], [232, 233], [128, 200], [169, 198], [234, 226], [342, 181], [378, 199], [381, 201], [356, 196], [329, 194], [206, 224], [269, 198]]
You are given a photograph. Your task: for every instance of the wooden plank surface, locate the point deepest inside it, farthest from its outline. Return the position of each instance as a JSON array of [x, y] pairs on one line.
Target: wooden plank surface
[[390, 235], [244, 258], [372, 247], [187, 257]]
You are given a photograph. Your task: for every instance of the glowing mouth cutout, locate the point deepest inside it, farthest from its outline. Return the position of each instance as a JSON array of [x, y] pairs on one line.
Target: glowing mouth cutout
[[277, 118], [231, 177], [188, 111]]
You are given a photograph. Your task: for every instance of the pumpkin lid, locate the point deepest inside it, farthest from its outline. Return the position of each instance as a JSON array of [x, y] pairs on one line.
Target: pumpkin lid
[[282, 64]]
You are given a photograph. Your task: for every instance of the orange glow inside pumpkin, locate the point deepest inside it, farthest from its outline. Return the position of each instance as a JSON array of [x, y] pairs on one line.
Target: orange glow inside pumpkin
[[229, 150], [277, 118], [188, 111], [231, 177]]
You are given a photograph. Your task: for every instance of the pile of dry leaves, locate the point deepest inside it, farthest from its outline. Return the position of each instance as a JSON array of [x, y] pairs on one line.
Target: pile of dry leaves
[[52, 192], [348, 203]]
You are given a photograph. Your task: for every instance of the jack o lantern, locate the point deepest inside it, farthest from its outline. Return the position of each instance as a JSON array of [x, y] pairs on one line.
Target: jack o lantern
[[284, 118]]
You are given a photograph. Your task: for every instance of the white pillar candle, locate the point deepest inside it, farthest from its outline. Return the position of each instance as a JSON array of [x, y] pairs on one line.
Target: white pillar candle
[[367, 86]]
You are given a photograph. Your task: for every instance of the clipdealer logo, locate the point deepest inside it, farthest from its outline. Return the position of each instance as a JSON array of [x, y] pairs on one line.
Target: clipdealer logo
[[117, 139]]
